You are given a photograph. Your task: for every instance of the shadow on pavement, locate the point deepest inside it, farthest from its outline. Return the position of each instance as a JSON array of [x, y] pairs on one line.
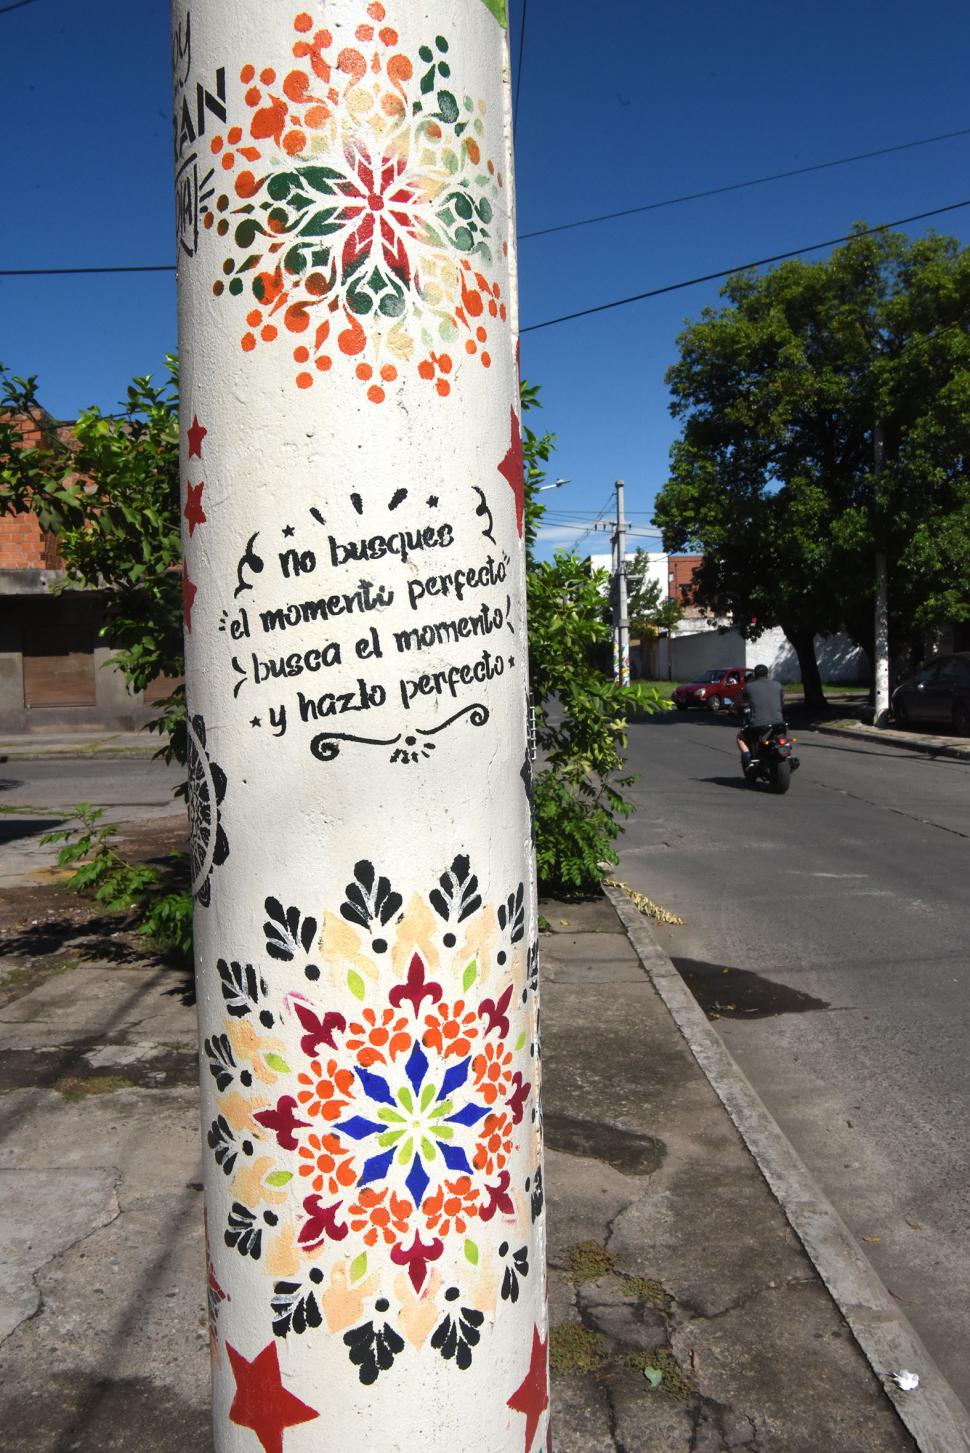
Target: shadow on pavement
[[12, 828], [726, 993], [724, 782]]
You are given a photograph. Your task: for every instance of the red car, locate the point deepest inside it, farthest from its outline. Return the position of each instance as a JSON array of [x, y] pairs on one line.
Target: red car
[[712, 690]]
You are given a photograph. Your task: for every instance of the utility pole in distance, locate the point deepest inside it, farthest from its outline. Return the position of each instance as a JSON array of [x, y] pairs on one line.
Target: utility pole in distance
[[880, 694], [622, 656], [359, 768]]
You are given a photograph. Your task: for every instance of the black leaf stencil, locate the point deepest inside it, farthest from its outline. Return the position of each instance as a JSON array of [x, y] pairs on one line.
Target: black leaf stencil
[[373, 1349], [511, 914], [241, 986], [222, 1142], [295, 1307], [456, 1335], [287, 931], [537, 1197], [222, 1062], [369, 901], [457, 896], [516, 1268], [242, 1232]]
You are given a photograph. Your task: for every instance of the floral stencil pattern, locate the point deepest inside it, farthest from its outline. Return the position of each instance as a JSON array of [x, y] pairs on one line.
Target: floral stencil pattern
[[367, 1142], [360, 206], [206, 790]]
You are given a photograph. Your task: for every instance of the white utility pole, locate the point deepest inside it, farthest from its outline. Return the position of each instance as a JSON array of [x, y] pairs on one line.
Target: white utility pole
[[622, 654], [881, 608], [359, 762]]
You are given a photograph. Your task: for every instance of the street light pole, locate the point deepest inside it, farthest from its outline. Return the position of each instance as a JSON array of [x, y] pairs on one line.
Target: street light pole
[[359, 765]]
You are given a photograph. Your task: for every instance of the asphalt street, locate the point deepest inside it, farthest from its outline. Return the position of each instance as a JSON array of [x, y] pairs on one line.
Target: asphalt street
[[827, 935], [36, 796]]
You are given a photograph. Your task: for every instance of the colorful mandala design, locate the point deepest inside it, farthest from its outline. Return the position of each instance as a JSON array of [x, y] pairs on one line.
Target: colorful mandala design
[[370, 1139], [361, 210]]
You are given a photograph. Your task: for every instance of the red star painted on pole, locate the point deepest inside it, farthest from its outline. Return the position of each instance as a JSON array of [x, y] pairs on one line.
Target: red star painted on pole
[[188, 597], [511, 468], [193, 511], [531, 1397], [196, 434], [261, 1402]]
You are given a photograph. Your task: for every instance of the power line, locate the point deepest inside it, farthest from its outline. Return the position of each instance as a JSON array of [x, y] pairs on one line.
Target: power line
[[518, 70], [18, 5], [73, 271], [740, 186], [740, 267]]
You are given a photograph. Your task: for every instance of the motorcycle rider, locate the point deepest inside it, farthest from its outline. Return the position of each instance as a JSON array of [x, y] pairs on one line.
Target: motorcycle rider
[[764, 697]]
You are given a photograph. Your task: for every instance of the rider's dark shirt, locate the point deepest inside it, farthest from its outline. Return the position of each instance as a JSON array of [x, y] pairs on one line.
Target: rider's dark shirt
[[765, 699]]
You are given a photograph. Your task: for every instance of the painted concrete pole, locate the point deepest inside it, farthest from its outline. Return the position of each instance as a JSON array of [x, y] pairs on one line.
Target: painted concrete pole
[[359, 763]]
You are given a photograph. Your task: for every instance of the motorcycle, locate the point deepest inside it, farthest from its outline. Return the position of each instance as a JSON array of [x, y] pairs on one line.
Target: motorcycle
[[771, 757]]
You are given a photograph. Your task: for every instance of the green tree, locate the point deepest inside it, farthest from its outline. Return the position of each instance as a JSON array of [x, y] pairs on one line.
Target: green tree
[[649, 609], [772, 479], [111, 494], [109, 489], [581, 715]]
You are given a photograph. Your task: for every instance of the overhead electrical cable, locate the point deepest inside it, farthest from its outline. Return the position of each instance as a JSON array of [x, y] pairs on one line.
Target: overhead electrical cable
[[518, 69], [740, 267], [17, 5], [740, 186]]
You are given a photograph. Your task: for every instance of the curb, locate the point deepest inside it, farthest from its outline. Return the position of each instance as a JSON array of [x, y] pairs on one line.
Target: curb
[[933, 1414], [913, 744], [82, 752]]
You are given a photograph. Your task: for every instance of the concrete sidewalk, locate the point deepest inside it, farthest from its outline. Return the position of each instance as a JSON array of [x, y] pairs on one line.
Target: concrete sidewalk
[[49, 746], [670, 1260], [935, 744]]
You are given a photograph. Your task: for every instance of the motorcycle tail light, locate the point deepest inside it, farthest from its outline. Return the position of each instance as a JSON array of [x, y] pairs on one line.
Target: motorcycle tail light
[[783, 741]]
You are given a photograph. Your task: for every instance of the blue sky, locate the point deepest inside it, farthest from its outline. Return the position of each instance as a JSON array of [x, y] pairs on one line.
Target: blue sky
[[621, 104]]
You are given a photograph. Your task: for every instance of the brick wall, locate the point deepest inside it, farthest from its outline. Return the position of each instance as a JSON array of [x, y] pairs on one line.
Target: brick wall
[[681, 577], [23, 544]]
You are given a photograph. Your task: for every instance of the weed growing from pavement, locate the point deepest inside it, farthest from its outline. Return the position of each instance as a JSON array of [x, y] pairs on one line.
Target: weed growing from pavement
[[77, 1087], [672, 1378], [645, 1289], [573, 1348], [587, 1260]]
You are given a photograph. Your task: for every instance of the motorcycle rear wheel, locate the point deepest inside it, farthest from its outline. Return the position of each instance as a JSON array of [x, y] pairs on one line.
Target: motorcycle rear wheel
[[781, 777]]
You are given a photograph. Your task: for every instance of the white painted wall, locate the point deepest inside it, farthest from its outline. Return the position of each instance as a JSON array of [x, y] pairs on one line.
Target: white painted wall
[[359, 771], [696, 646]]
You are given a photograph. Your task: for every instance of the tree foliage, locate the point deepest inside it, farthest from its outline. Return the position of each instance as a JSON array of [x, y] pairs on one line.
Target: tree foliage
[[773, 478], [581, 715], [649, 609], [110, 491]]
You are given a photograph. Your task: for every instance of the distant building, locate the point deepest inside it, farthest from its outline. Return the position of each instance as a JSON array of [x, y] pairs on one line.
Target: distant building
[[700, 643], [53, 675]]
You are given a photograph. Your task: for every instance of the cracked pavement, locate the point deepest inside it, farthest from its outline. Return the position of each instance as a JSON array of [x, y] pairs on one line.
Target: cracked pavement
[[670, 1262], [668, 1254]]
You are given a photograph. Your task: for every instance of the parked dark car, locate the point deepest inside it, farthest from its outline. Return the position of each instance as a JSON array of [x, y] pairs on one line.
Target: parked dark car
[[938, 692], [713, 689]]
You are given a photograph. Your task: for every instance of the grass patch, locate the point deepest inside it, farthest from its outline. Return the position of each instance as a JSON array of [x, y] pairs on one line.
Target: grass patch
[[661, 1360], [573, 1348], [77, 1087], [645, 1289], [586, 1261]]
